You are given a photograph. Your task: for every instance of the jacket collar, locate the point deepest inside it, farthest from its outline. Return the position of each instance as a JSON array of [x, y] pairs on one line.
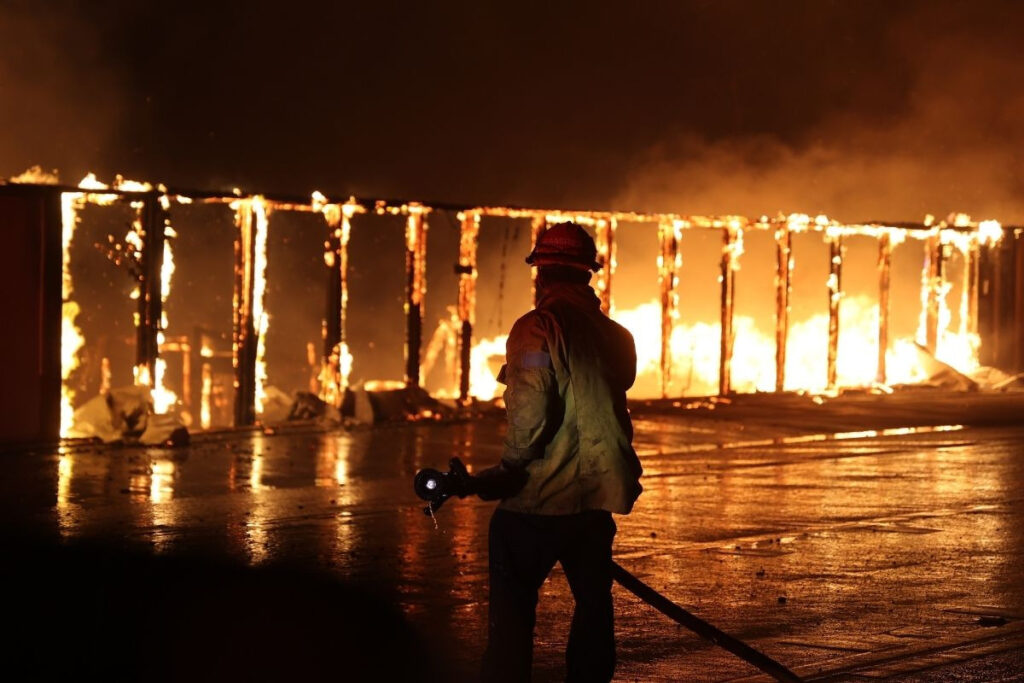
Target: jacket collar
[[581, 296]]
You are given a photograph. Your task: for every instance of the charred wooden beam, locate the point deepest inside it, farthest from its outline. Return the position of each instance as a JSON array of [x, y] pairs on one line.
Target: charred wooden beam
[[1018, 301], [998, 304], [932, 279], [415, 291], [469, 231], [186, 374], [986, 310], [51, 305], [335, 362], [30, 352], [245, 328], [732, 237], [538, 224], [606, 247], [783, 290], [151, 220], [1004, 296], [333, 313], [969, 307], [971, 275], [668, 260], [835, 294], [884, 276]]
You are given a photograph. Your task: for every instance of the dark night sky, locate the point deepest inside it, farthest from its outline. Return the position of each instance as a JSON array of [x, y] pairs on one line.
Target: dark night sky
[[863, 108]]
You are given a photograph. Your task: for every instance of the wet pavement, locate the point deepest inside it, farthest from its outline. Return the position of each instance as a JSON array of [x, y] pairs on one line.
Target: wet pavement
[[843, 553]]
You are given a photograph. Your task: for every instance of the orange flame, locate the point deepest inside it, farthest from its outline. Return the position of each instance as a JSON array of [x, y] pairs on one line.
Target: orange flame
[[695, 348]]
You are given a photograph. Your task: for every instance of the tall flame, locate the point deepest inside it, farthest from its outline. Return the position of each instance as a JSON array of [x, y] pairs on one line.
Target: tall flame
[[71, 336], [164, 398], [71, 339], [260, 317]]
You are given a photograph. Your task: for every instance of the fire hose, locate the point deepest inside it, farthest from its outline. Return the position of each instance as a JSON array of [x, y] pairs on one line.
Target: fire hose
[[436, 487]]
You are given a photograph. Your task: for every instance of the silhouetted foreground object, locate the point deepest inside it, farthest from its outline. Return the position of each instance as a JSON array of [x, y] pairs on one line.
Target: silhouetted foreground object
[[89, 612]]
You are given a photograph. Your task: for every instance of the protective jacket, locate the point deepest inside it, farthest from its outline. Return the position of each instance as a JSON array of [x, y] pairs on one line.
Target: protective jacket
[[568, 367]]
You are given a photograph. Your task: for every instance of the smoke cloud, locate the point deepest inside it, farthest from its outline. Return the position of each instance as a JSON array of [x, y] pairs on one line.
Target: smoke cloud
[[951, 144], [59, 100]]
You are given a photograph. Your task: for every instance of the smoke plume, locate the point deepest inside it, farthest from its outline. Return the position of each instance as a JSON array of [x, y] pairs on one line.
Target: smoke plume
[[59, 102], [951, 144]]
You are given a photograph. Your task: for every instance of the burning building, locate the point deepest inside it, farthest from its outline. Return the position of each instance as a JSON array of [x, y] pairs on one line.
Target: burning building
[[221, 308]]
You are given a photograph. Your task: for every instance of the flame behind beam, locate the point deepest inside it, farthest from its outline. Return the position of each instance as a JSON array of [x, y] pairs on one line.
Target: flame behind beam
[[469, 232], [71, 337], [261, 214], [807, 366], [416, 289], [336, 366]]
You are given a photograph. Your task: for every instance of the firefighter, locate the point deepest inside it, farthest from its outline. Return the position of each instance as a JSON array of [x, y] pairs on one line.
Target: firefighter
[[567, 465]]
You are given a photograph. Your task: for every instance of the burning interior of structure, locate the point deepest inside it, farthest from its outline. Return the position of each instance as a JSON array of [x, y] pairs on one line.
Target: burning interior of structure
[[220, 310]]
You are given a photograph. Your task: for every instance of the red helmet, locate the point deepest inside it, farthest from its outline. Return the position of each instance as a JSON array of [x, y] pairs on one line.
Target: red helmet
[[565, 244]]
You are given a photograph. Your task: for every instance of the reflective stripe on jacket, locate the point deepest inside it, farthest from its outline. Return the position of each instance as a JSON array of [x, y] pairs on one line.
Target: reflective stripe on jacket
[[568, 367]]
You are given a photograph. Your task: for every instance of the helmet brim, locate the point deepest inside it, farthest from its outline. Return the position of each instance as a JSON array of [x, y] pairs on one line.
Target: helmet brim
[[539, 260]]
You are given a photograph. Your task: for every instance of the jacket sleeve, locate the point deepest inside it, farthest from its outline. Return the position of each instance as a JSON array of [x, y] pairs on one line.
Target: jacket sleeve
[[627, 354], [531, 393]]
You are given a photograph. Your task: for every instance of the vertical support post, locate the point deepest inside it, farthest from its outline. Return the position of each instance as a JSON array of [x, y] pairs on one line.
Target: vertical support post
[[606, 248], [196, 361], [1005, 295], [986, 311], [150, 221], [186, 374], [245, 333], [415, 290], [835, 295], [732, 237], [999, 298], [333, 313], [931, 280], [538, 224], [336, 363], [30, 351], [884, 276], [348, 210], [969, 297], [1018, 302], [51, 306], [971, 278], [783, 289], [205, 395], [469, 230], [668, 259]]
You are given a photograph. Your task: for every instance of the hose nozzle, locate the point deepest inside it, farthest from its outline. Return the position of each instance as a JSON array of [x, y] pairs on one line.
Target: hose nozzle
[[436, 487]]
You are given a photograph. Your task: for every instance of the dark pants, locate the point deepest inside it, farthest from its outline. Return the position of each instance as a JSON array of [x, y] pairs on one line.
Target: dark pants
[[523, 550]]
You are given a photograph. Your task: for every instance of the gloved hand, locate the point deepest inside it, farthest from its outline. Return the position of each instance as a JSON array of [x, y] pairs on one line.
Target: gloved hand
[[500, 481], [493, 483], [462, 483]]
